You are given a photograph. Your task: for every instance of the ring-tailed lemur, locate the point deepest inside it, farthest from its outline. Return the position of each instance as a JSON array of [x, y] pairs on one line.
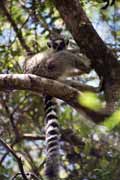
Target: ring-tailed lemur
[[54, 65], [52, 129]]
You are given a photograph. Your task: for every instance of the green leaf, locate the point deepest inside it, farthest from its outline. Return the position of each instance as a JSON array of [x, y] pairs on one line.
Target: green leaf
[[90, 100], [112, 121]]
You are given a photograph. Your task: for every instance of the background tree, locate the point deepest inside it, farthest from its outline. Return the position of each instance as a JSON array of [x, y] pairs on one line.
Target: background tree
[[88, 150]]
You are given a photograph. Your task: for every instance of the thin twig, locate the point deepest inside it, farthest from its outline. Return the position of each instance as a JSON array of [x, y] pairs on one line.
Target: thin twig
[[32, 175], [11, 117], [28, 137], [15, 27], [19, 161], [7, 152]]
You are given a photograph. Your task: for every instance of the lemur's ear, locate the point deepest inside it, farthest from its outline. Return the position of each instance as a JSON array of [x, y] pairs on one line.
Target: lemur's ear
[[49, 44]]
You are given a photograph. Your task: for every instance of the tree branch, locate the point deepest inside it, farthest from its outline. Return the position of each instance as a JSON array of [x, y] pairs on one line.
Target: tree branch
[[31, 175], [16, 29], [49, 87], [85, 35], [11, 117], [80, 86], [103, 60], [19, 161], [32, 137]]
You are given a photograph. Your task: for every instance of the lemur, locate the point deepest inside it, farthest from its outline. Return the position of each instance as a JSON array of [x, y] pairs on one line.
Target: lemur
[[55, 64], [108, 3], [51, 120]]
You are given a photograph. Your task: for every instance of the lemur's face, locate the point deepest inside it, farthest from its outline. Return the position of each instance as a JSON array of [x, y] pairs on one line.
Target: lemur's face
[[57, 44]]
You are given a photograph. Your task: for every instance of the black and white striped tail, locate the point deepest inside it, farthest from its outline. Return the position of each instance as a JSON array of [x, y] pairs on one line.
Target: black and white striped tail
[[52, 136]]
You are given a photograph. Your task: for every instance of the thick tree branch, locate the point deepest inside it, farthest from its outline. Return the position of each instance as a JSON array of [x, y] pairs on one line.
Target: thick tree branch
[[49, 87], [102, 58], [85, 35], [80, 86]]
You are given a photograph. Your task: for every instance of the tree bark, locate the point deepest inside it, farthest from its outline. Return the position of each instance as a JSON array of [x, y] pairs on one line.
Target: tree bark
[[50, 87], [103, 60]]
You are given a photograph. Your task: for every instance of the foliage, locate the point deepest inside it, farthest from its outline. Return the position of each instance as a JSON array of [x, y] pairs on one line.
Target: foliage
[[90, 100], [21, 113]]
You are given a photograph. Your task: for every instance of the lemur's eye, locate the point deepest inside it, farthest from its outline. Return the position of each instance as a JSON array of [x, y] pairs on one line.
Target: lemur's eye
[[62, 44], [55, 45]]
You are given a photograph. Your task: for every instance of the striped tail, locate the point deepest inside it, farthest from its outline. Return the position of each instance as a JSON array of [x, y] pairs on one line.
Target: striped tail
[[52, 136]]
